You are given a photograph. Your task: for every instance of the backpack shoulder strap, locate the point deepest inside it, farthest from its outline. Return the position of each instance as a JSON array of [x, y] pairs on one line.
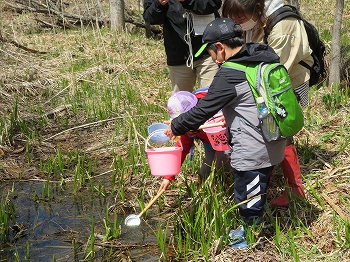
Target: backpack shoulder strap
[[278, 15], [252, 74], [234, 65], [245, 68]]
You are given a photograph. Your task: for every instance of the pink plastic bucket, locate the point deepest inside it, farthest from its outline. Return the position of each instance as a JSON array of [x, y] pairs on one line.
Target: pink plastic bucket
[[217, 137], [163, 161]]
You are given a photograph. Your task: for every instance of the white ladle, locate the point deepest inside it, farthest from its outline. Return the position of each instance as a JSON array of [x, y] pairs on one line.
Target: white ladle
[[210, 125], [134, 220]]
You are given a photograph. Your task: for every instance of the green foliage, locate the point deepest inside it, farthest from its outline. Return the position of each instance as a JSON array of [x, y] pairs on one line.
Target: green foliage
[[7, 216], [112, 228], [208, 218], [347, 235], [161, 239], [335, 99], [90, 250], [326, 35], [9, 125]]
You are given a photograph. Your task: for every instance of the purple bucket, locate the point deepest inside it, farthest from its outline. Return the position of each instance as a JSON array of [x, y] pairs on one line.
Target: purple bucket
[[180, 102]]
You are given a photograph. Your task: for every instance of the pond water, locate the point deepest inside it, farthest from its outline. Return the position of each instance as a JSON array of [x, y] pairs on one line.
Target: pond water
[[59, 229]]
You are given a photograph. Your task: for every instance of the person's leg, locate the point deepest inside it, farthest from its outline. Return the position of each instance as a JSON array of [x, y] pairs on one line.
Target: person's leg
[[209, 155], [182, 78], [302, 94], [222, 162], [290, 165], [250, 190], [252, 186], [291, 171], [205, 70]]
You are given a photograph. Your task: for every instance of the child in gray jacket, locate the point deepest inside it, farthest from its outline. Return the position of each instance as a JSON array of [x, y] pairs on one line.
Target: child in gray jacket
[[251, 156]]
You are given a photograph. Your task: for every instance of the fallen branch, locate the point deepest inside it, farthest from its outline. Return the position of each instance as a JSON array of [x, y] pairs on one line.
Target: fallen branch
[[92, 124], [78, 18], [79, 77], [323, 161], [2, 39], [335, 207], [46, 24], [333, 174]]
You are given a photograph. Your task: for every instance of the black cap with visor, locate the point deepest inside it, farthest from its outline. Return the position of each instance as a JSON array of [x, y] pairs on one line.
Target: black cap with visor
[[217, 30]]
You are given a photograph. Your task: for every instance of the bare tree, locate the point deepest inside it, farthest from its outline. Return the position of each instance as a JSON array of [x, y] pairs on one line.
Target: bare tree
[[335, 62], [117, 15]]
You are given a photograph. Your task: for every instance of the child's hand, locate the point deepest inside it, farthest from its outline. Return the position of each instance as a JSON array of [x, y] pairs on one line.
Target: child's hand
[[164, 185], [168, 132], [220, 119]]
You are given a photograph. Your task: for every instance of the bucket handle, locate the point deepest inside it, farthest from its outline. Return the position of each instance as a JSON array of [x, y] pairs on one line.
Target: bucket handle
[[155, 132]]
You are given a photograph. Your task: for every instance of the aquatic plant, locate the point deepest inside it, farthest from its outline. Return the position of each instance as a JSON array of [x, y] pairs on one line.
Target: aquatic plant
[[7, 215], [10, 126], [91, 241], [113, 180], [28, 153], [119, 163], [60, 161], [27, 256], [113, 229], [46, 190], [206, 219], [162, 240]]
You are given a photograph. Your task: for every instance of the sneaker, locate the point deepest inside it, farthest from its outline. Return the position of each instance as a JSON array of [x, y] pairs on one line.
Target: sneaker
[[237, 238], [239, 245]]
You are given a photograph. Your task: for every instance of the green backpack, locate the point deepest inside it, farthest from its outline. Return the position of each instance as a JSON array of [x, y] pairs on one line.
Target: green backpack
[[272, 82]]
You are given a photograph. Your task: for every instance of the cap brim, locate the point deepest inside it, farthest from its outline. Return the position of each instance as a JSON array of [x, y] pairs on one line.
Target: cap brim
[[201, 50]]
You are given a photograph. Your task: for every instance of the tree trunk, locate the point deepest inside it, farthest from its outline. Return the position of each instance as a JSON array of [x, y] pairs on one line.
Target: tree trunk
[[117, 15], [335, 63]]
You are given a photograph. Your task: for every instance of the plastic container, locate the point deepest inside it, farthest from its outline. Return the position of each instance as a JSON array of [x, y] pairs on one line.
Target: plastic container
[[158, 137], [180, 102], [269, 127], [163, 161], [217, 137]]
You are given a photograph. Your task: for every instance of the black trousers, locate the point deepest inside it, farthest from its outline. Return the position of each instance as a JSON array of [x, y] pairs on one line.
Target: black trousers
[[250, 188]]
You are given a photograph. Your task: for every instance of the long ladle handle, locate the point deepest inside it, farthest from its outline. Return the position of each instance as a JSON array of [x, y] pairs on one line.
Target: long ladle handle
[[152, 202], [210, 125]]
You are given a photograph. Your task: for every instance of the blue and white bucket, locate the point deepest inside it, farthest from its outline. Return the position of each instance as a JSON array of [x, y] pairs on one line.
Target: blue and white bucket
[[158, 137]]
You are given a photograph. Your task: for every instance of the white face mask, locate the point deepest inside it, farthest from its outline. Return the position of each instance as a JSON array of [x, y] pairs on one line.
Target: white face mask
[[249, 24]]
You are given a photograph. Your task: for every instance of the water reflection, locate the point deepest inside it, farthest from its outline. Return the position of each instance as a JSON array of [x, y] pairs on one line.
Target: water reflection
[[59, 228]]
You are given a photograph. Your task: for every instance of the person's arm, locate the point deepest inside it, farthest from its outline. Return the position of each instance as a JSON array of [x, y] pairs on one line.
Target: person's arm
[[164, 185], [155, 11], [202, 7], [221, 92]]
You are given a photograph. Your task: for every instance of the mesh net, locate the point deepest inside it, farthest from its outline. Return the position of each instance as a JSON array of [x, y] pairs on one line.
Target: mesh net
[[180, 102]]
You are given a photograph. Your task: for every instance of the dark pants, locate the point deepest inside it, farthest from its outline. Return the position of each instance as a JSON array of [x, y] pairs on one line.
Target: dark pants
[[252, 185]]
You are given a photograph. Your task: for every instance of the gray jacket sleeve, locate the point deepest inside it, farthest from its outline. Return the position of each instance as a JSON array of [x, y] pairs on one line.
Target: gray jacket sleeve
[[221, 92]]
